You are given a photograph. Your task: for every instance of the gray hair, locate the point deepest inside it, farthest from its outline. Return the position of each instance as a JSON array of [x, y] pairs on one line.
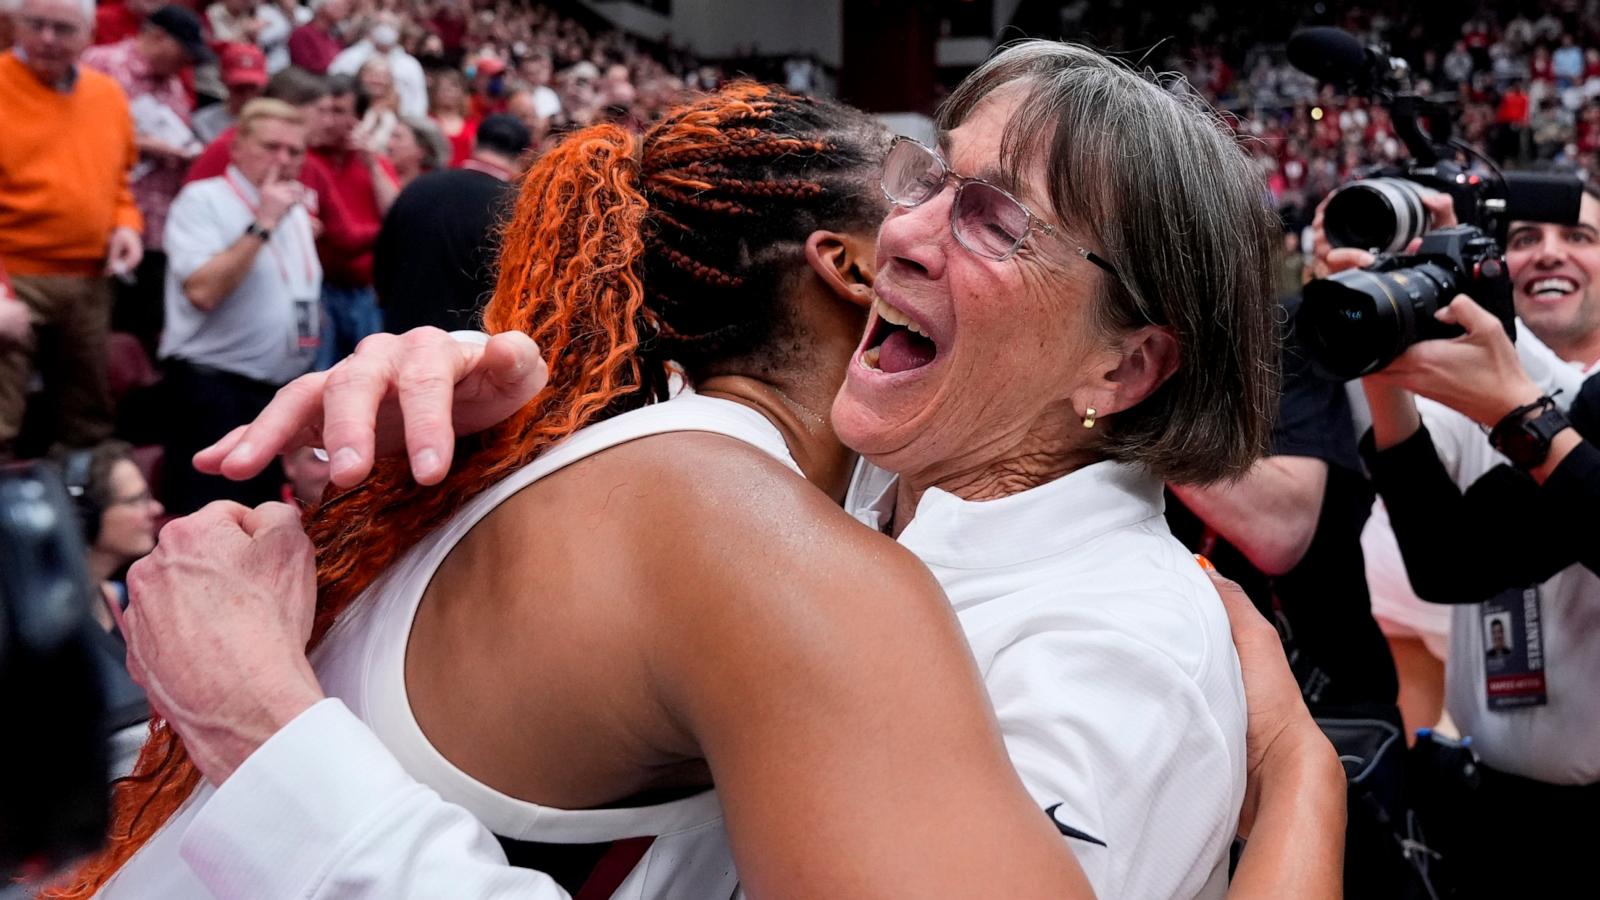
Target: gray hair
[[1158, 182], [435, 146]]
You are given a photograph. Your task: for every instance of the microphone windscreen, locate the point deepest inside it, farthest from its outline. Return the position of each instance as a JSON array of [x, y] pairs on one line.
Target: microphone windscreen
[[1329, 54]]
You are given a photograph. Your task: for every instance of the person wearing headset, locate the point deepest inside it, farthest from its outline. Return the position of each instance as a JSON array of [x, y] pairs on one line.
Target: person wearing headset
[[119, 519]]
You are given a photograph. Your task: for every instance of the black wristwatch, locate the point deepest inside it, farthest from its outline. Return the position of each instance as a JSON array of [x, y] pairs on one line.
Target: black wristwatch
[[256, 231], [1524, 435]]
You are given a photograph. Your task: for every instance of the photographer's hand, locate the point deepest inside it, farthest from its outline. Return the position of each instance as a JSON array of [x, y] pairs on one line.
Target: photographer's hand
[[1477, 374], [217, 625]]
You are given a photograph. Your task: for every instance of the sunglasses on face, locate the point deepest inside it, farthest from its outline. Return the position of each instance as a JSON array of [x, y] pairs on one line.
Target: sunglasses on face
[[986, 219]]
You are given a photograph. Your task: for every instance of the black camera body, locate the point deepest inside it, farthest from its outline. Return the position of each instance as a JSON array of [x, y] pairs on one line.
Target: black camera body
[[54, 803], [1356, 322]]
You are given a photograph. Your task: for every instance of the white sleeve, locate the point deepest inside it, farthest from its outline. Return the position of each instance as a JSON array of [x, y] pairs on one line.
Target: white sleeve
[[1116, 733], [194, 233], [323, 810]]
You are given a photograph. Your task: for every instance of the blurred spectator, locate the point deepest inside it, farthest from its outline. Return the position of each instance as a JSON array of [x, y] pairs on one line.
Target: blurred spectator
[[314, 45], [435, 259], [449, 110], [449, 22], [416, 147], [294, 86], [67, 217], [488, 85], [242, 297], [523, 105], [234, 21], [244, 71], [119, 20], [361, 187], [535, 71], [118, 517], [383, 105], [383, 41], [148, 67], [279, 19], [1567, 62]]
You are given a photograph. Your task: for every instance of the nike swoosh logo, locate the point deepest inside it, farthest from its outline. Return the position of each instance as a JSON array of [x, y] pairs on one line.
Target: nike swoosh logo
[[1068, 830]]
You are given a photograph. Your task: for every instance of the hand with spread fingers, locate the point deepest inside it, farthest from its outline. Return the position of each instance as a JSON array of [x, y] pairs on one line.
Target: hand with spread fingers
[[411, 393]]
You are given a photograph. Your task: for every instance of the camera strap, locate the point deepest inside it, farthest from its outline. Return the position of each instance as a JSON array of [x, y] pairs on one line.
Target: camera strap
[[1513, 650]]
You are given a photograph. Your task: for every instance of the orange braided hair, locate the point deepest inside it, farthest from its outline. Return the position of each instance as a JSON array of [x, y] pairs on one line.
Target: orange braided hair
[[574, 256]]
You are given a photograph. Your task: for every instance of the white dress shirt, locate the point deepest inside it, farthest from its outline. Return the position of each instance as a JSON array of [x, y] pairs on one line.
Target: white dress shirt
[[1109, 659]]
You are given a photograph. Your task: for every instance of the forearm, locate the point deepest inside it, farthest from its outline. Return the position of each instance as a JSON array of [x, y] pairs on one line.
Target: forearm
[[1296, 846], [1394, 414], [1270, 514], [222, 273]]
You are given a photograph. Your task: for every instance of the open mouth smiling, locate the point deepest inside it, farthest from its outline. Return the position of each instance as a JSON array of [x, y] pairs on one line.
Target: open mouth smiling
[[1549, 288], [896, 342]]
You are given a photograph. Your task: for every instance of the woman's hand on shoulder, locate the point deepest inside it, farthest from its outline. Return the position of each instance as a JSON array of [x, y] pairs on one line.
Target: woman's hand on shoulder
[[411, 393]]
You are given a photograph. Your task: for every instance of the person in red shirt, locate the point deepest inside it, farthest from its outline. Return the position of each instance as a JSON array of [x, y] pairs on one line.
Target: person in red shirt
[[450, 24], [121, 19], [313, 45], [488, 87], [449, 109], [361, 187]]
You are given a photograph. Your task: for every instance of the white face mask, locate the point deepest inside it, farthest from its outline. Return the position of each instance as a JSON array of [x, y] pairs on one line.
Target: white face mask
[[384, 36]]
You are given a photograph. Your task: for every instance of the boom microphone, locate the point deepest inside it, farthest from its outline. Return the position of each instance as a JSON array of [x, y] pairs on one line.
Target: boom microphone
[[1331, 55]]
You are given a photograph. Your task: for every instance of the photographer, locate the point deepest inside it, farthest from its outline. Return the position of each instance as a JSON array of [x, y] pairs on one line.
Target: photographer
[[118, 518], [1532, 713]]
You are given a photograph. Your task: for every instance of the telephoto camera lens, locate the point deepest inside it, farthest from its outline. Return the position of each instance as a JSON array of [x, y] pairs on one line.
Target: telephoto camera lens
[[1378, 214], [1356, 322]]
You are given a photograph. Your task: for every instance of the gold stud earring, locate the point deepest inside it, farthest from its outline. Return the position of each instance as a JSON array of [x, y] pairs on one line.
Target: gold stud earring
[[1088, 418]]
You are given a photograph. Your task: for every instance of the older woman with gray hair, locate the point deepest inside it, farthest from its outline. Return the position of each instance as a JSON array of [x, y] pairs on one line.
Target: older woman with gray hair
[[1072, 304], [416, 146]]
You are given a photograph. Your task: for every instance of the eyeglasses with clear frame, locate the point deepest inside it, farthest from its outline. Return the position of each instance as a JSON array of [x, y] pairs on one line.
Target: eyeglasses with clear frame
[[985, 219]]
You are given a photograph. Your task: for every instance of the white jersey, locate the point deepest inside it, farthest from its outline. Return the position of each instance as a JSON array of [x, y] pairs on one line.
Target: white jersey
[[362, 663]]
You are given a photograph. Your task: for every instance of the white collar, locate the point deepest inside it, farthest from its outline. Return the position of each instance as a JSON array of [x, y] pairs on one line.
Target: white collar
[[1034, 524], [247, 190]]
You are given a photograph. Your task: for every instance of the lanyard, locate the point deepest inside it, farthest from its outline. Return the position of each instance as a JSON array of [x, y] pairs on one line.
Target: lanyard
[[308, 251]]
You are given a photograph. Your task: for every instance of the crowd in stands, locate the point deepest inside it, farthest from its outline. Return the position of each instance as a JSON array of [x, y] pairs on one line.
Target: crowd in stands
[[1524, 79]]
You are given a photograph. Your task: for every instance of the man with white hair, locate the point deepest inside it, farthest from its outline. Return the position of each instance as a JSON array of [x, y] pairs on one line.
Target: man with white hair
[[67, 216], [383, 39]]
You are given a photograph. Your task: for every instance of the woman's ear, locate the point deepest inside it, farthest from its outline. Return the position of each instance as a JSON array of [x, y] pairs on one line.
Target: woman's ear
[[1145, 359], [845, 263]]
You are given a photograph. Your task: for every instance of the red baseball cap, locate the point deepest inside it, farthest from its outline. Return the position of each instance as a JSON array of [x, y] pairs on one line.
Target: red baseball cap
[[243, 64]]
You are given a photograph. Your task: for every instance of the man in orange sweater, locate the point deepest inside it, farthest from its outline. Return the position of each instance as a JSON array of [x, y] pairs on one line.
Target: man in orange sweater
[[67, 217]]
